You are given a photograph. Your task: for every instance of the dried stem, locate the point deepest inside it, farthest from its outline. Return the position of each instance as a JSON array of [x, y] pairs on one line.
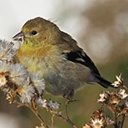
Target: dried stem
[[34, 111], [115, 120], [122, 122], [65, 119], [52, 120], [38, 116]]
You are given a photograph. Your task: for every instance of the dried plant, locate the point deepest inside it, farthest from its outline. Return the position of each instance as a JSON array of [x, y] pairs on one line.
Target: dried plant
[[117, 102], [25, 89]]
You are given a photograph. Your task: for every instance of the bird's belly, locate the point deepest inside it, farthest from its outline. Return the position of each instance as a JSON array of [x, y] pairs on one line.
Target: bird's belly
[[59, 77], [66, 76]]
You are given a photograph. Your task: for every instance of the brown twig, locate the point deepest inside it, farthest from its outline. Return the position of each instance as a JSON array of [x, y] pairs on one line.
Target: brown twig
[[38, 116], [115, 120], [34, 111], [52, 120], [65, 119], [122, 121]]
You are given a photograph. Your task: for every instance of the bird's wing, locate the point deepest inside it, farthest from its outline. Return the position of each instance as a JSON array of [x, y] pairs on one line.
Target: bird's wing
[[75, 54], [82, 58]]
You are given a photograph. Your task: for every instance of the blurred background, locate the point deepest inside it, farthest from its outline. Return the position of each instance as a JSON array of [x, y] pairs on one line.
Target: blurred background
[[101, 29]]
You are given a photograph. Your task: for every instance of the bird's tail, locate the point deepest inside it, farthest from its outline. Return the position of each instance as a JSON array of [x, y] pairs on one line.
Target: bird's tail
[[103, 82]]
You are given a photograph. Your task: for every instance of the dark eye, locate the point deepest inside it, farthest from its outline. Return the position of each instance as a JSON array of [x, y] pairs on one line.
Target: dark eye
[[33, 32]]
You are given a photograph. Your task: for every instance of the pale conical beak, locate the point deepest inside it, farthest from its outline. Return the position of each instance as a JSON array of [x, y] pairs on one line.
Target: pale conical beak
[[18, 37]]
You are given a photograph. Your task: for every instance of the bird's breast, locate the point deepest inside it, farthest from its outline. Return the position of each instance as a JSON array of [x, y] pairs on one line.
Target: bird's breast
[[41, 59]]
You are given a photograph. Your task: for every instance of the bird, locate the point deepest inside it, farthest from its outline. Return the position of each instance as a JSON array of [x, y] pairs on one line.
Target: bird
[[56, 57]]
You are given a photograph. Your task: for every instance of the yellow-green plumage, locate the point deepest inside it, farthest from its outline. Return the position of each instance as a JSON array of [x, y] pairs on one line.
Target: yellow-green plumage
[[45, 50]]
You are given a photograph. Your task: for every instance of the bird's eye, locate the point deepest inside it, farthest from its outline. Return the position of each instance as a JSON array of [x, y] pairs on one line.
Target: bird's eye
[[33, 32]]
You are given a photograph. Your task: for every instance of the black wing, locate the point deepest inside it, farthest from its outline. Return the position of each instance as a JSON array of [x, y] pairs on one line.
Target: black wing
[[82, 58]]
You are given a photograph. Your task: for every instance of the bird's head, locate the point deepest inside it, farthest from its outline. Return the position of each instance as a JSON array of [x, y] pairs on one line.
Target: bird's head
[[38, 31]]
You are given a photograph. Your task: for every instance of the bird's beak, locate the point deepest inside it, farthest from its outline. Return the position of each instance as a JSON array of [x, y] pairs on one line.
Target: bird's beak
[[18, 37]]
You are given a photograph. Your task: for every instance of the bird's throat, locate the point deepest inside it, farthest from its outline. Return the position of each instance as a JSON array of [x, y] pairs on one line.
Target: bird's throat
[[41, 51]]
